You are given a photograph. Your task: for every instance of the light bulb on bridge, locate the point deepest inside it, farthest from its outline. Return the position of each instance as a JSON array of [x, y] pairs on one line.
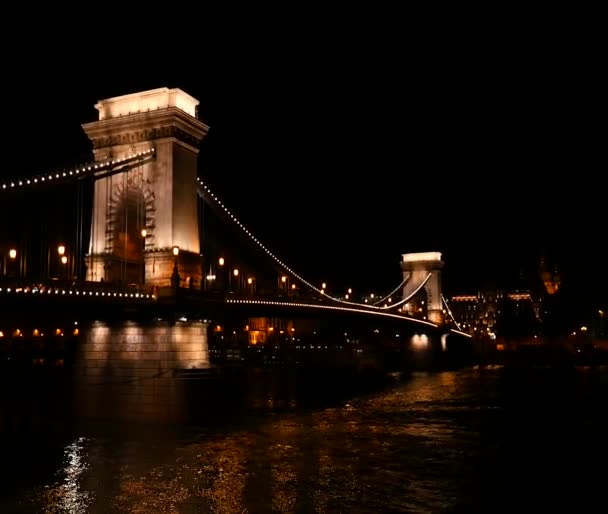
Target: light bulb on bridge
[[61, 249], [12, 253], [221, 261], [236, 272], [176, 250], [64, 260]]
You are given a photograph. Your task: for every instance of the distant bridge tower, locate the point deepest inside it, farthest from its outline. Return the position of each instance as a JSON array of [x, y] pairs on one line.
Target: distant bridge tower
[[149, 207], [418, 266]]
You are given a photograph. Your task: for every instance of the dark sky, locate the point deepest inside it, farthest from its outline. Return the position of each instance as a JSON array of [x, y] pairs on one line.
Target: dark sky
[[344, 145]]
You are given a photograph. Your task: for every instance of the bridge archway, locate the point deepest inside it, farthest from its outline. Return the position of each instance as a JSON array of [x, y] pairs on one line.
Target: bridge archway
[[129, 228]]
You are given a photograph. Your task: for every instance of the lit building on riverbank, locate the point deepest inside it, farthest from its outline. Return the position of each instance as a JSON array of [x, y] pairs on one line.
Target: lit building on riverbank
[[490, 311]]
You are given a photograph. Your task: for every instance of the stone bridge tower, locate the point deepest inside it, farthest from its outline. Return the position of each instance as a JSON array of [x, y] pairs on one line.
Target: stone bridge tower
[[418, 266], [145, 212]]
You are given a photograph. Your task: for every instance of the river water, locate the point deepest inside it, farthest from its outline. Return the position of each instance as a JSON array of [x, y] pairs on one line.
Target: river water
[[488, 439]]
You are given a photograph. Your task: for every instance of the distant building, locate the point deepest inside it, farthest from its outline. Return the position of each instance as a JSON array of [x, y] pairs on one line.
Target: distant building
[[496, 312], [550, 277]]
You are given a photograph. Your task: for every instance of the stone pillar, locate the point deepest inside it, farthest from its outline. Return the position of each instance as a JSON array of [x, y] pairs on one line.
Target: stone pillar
[[127, 370], [418, 266], [156, 192], [129, 350]]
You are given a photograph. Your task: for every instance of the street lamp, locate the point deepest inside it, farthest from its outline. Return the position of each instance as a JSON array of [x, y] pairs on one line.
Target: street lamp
[[210, 277], [64, 261], [175, 279], [12, 254], [235, 274], [144, 233], [61, 252], [222, 274]]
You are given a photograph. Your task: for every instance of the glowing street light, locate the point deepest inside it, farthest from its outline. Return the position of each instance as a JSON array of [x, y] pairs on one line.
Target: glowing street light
[[221, 261], [283, 286], [175, 278], [61, 249], [64, 259], [12, 253], [235, 273], [144, 234]]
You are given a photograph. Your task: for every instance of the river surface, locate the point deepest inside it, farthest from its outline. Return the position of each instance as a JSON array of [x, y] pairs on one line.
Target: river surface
[[473, 440]]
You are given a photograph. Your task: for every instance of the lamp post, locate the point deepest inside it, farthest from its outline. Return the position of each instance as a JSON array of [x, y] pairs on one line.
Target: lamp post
[[12, 255], [175, 279], [144, 233], [63, 259], [209, 278], [235, 273], [222, 273]]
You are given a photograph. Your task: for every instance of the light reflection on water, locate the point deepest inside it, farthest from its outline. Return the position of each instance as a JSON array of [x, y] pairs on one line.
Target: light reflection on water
[[430, 443]]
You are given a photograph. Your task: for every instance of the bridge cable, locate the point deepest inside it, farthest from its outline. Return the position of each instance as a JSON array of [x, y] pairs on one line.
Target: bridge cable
[[393, 291], [205, 193], [92, 168], [447, 307], [408, 298]]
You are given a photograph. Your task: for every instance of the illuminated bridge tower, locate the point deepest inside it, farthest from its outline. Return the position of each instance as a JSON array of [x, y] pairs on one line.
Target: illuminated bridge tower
[[418, 266], [145, 212]]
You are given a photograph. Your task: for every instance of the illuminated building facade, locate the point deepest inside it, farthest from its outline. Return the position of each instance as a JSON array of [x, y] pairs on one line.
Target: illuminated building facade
[[492, 311]]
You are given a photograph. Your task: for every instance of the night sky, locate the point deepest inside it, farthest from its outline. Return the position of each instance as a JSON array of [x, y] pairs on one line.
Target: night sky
[[342, 149]]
